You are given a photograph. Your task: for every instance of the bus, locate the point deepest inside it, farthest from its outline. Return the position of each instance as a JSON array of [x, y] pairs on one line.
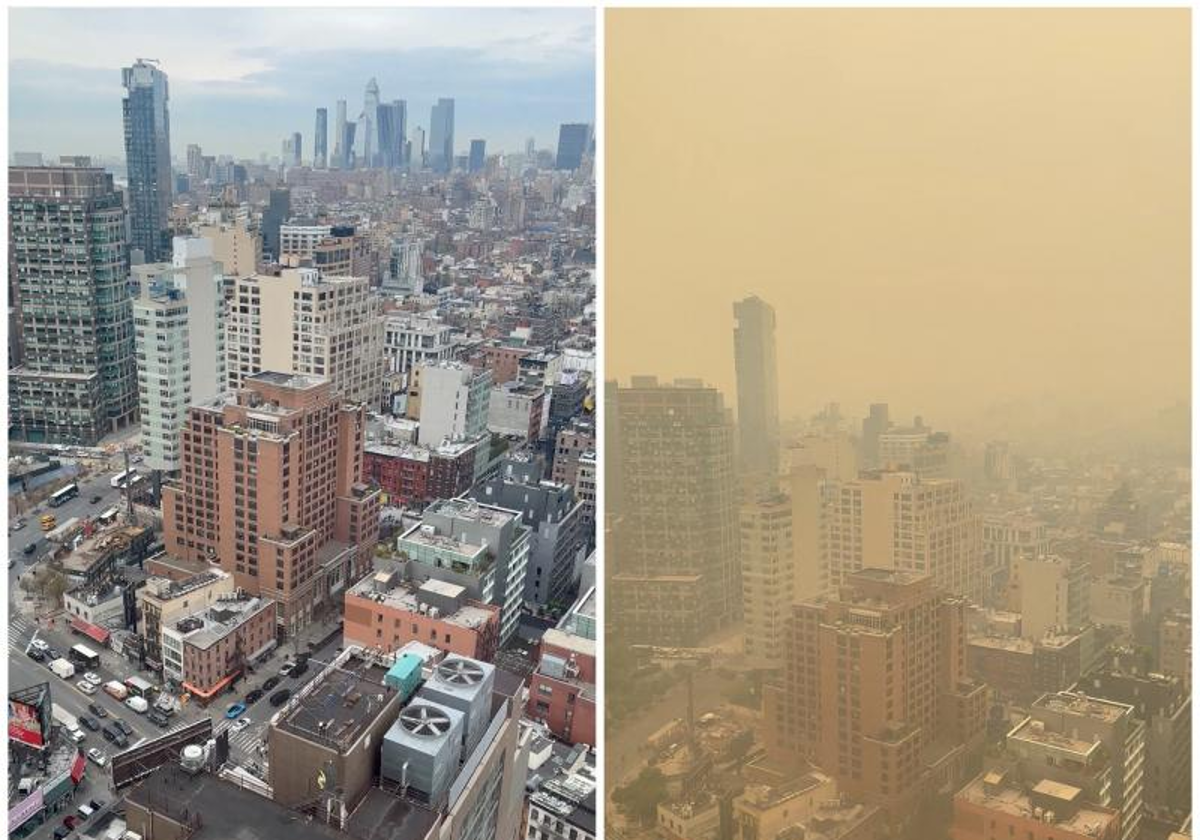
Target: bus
[[118, 480], [108, 517], [85, 656], [64, 495]]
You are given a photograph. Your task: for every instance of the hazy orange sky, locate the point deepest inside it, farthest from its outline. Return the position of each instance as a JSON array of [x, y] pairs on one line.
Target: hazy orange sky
[[947, 208]]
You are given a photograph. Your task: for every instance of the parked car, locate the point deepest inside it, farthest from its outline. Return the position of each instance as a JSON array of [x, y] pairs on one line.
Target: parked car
[[138, 704], [121, 741], [235, 710], [270, 684], [29, 549], [97, 804], [36, 655], [93, 678], [90, 723], [286, 670], [123, 726], [18, 524], [53, 654], [98, 710], [60, 832], [280, 697], [40, 644], [254, 696], [95, 500], [109, 733], [158, 719], [300, 669], [86, 687]]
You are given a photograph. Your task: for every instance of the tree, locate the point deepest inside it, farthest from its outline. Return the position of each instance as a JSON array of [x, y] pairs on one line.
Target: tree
[[641, 797]]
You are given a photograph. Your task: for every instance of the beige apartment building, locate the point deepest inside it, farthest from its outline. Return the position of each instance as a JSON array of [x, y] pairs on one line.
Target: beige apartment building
[[300, 322], [899, 520], [235, 246], [272, 492], [767, 556]]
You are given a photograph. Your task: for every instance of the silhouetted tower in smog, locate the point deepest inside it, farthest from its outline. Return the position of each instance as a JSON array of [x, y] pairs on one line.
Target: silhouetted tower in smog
[[757, 392]]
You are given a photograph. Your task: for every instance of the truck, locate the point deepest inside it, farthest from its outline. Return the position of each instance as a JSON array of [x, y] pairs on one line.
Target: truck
[[117, 689], [62, 668], [138, 704], [68, 721]]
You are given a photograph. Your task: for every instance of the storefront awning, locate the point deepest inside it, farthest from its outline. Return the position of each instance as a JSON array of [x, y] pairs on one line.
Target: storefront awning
[[208, 693], [90, 630]]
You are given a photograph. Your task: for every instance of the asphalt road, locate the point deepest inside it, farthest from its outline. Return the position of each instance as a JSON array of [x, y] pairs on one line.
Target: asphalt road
[[79, 507]]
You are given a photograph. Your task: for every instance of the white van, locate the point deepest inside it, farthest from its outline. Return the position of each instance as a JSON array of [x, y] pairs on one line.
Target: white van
[[84, 811], [138, 704]]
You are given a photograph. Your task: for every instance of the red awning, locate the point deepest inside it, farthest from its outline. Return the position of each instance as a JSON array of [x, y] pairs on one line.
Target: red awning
[[77, 768], [90, 630], [208, 693]]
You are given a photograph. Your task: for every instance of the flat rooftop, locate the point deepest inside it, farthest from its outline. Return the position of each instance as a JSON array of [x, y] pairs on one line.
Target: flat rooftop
[[383, 816], [407, 596], [340, 704], [1080, 705], [296, 381], [1004, 798], [224, 811], [205, 628]]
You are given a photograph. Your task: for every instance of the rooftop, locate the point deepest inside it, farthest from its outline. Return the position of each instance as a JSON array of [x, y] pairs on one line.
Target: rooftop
[[341, 703], [205, 628], [404, 595], [1005, 798], [296, 381], [223, 811], [1080, 705]]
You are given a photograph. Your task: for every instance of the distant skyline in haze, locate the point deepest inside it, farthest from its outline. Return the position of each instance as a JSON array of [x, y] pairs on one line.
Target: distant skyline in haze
[[241, 80], [950, 210]]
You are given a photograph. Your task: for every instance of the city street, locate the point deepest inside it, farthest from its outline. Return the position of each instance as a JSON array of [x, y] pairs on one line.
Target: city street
[[79, 507]]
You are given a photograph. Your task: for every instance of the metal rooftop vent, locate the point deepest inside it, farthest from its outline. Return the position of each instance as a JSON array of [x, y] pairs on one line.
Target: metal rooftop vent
[[427, 721], [460, 672]]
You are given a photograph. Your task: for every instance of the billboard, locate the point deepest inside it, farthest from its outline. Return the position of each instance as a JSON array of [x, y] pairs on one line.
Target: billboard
[[29, 716], [138, 762]]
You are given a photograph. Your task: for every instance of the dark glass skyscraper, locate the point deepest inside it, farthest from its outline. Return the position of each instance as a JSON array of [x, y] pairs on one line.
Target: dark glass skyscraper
[[321, 140], [757, 389], [441, 136], [273, 217], [572, 143], [148, 159], [391, 119], [478, 156]]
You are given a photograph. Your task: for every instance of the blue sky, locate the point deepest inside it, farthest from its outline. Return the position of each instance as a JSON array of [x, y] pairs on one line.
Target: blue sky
[[243, 79]]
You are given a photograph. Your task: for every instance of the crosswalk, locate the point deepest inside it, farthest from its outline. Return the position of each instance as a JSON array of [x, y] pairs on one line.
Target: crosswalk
[[19, 628], [247, 740]]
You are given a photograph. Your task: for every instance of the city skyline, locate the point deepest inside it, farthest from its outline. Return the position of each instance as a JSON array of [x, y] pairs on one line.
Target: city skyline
[[935, 226], [260, 70]]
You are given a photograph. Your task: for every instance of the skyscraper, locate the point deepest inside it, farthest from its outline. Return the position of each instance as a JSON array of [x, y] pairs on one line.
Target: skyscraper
[[390, 122], [416, 152], [274, 216], [339, 135], [478, 155], [78, 379], [758, 391], [321, 140], [441, 136], [368, 122], [676, 573], [148, 159], [572, 143]]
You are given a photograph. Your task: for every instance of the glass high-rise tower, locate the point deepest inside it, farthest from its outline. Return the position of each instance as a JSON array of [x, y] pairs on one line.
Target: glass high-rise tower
[[321, 140], [441, 136], [148, 159]]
